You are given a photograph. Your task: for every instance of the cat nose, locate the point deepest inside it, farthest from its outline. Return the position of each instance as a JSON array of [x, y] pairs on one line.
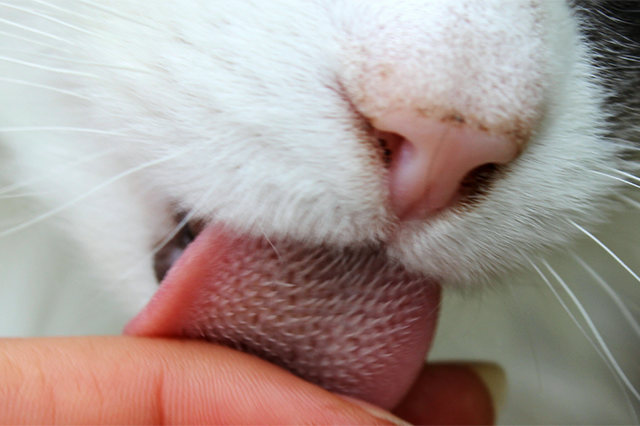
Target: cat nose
[[429, 158]]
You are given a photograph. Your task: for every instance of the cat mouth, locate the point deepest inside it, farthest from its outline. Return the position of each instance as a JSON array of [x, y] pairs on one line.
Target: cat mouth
[[350, 320]]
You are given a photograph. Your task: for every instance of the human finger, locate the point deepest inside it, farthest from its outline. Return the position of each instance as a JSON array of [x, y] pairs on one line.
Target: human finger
[[454, 394], [125, 380]]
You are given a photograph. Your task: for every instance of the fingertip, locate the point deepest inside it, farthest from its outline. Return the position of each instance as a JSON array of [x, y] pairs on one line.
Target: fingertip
[[448, 394]]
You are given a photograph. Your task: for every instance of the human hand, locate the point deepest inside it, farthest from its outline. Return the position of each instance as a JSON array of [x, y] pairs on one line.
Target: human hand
[[128, 380]]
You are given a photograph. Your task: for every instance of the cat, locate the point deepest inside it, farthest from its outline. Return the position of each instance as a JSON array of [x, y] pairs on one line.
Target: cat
[[393, 145]]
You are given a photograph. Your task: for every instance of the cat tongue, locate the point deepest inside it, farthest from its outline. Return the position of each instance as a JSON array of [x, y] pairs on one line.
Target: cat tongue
[[351, 321]]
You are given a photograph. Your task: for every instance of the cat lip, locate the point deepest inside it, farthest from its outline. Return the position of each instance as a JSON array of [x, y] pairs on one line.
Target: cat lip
[[167, 255], [351, 321]]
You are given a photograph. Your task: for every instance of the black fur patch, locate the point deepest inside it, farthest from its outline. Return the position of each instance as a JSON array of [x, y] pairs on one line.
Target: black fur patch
[[612, 28]]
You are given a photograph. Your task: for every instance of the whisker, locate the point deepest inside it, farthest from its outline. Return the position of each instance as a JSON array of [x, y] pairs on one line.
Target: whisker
[[63, 10], [49, 69], [22, 195], [276, 251], [616, 178], [58, 129], [630, 201], [75, 61], [586, 335], [42, 86], [112, 12], [83, 160], [564, 306], [104, 184], [176, 229], [609, 290], [48, 18], [37, 43], [629, 175], [624, 141], [140, 262], [595, 332], [605, 248], [34, 31]]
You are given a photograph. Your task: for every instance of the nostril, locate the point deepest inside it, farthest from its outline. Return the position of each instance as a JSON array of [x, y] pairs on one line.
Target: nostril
[[432, 162], [477, 183], [389, 143]]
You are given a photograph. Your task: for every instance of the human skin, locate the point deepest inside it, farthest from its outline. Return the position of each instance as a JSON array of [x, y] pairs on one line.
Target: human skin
[[129, 380]]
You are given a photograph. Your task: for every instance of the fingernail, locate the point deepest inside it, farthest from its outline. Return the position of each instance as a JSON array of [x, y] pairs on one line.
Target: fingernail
[[376, 412], [384, 415], [495, 379]]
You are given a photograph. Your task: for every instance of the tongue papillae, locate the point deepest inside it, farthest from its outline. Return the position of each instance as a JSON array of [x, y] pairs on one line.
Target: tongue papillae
[[351, 321]]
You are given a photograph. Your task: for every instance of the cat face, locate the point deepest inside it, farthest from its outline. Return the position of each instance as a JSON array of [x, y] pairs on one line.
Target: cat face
[[264, 118], [450, 139]]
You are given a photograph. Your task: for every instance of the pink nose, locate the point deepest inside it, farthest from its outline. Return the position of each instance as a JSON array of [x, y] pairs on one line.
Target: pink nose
[[431, 157]]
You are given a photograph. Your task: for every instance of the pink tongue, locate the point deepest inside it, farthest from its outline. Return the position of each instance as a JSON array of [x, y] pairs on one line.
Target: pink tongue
[[350, 321]]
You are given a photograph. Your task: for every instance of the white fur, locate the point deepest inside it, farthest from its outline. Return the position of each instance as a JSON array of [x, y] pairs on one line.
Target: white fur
[[243, 112]]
